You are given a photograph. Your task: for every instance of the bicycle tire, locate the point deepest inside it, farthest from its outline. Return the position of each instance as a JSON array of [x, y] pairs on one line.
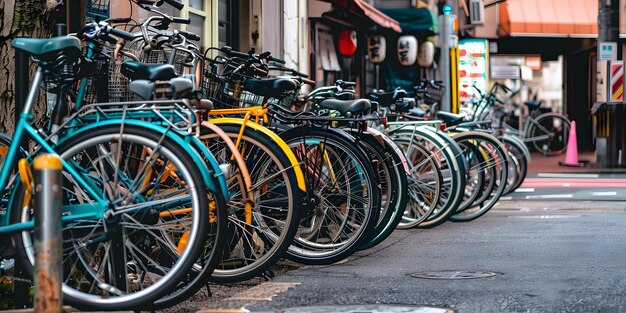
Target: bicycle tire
[[394, 185], [97, 139], [323, 240], [259, 150], [496, 164], [558, 127]]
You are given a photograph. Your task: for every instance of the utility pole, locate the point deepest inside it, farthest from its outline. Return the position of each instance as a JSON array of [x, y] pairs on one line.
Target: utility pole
[[609, 107]]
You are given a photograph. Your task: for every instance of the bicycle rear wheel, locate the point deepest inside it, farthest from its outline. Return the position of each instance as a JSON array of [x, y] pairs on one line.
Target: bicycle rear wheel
[[549, 133], [275, 207], [494, 166], [343, 188], [154, 225]]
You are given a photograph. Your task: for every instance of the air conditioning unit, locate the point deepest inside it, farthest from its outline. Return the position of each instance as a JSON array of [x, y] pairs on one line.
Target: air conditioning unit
[[477, 12]]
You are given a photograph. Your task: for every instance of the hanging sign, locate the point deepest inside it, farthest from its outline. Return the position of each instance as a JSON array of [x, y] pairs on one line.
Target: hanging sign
[[426, 54], [407, 50], [377, 48], [347, 42]]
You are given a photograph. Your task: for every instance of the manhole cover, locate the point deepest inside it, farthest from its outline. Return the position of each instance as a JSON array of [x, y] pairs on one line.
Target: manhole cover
[[366, 308], [453, 274]]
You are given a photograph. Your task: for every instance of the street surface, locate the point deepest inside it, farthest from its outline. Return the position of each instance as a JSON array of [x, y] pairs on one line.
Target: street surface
[[546, 256], [571, 186]]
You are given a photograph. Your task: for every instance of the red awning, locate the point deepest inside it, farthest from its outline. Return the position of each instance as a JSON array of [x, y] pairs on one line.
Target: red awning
[[549, 18], [360, 7]]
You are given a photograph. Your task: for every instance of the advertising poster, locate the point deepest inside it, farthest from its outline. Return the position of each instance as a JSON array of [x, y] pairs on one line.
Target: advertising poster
[[473, 68]]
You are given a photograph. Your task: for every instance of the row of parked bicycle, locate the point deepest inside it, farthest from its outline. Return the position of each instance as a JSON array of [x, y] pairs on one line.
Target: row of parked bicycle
[[184, 166]]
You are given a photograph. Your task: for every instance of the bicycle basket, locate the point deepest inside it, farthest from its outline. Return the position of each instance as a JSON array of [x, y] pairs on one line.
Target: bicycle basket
[[181, 59], [228, 93], [435, 94]]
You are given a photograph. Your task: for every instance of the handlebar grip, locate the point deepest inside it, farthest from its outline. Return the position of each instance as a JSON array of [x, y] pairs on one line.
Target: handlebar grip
[[122, 34], [190, 35], [303, 75], [308, 81], [119, 20], [273, 59], [175, 4], [260, 71], [181, 20]]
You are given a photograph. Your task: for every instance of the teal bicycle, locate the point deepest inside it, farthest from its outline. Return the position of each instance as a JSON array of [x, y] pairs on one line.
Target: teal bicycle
[[135, 194]]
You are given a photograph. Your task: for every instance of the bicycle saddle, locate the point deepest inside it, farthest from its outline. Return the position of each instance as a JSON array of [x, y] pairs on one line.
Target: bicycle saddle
[[47, 49], [344, 107], [386, 98], [474, 125], [137, 70], [176, 88], [450, 119], [532, 105], [274, 87]]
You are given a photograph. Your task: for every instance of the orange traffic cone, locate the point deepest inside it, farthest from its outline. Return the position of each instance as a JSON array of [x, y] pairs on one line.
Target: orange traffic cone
[[571, 154]]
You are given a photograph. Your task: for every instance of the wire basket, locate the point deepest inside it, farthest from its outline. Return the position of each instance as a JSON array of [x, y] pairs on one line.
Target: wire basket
[[435, 94], [181, 59], [228, 93]]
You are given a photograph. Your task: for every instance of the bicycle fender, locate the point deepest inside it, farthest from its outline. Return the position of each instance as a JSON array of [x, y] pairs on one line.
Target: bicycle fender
[[281, 143], [204, 168]]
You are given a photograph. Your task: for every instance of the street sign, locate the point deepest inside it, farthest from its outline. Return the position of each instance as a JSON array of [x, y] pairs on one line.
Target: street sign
[[607, 51]]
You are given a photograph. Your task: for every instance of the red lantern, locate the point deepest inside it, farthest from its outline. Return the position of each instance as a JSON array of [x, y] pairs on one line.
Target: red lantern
[[347, 42]]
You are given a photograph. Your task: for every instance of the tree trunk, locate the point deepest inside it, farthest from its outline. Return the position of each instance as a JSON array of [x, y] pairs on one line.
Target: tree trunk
[[20, 18]]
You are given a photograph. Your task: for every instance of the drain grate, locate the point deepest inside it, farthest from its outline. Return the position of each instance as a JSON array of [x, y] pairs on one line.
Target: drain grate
[[366, 308], [453, 275]]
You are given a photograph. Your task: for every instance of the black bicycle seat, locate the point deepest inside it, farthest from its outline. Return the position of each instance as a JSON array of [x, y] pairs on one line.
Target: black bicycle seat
[[354, 107], [386, 98], [450, 119], [274, 87], [152, 72], [532, 105]]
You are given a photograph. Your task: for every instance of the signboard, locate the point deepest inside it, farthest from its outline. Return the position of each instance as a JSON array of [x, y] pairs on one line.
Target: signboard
[[601, 84], [473, 66], [607, 51], [617, 82]]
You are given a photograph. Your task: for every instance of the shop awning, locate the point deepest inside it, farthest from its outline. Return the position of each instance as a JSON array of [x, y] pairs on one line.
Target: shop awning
[[414, 20], [360, 7], [549, 18]]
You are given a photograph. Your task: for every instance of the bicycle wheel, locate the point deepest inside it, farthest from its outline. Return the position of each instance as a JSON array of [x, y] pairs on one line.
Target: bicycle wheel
[[494, 166], [549, 133], [343, 188], [252, 248], [521, 157], [154, 226], [451, 167], [425, 184], [392, 180]]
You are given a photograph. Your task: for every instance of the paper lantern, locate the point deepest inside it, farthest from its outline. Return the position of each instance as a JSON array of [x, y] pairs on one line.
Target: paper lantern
[[407, 50], [347, 42], [377, 48], [426, 54]]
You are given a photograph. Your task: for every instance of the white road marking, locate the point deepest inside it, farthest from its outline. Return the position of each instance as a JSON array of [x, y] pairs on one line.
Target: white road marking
[[566, 175], [551, 196], [506, 198], [605, 193], [525, 190]]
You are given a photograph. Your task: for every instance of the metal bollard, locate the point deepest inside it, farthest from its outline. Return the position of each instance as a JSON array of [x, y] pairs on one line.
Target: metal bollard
[[48, 237]]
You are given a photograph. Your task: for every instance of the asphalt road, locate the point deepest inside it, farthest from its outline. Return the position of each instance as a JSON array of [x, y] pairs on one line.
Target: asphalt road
[[545, 261]]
